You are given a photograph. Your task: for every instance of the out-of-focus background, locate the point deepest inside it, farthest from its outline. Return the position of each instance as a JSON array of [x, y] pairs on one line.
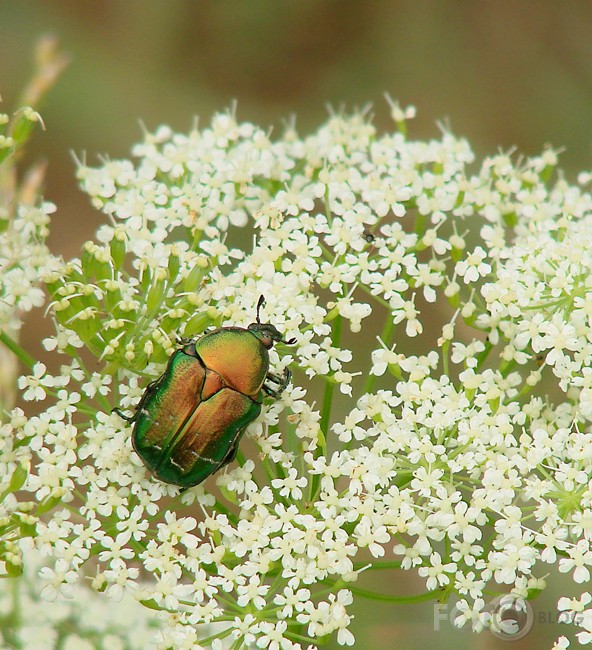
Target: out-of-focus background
[[504, 74]]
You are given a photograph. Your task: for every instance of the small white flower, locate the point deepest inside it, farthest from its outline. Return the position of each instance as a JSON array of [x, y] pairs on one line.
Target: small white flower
[[473, 267], [58, 581], [290, 486], [36, 383], [580, 559]]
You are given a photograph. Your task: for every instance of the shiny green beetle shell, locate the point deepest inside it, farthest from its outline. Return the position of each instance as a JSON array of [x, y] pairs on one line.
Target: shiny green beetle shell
[[190, 420]]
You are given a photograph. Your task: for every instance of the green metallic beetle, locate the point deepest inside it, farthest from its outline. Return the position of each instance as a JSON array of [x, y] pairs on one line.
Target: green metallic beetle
[[189, 421]]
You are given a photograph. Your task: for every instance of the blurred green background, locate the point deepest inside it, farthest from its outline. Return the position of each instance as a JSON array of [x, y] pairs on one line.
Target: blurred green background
[[503, 74]]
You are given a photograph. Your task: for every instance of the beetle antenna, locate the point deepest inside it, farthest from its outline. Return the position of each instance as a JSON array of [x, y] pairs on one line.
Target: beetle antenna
[[288, 342], [260, 303]]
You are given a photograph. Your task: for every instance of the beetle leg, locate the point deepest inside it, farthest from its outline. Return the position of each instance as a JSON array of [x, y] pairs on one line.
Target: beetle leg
[[147, 392], [127, 418], [230, 456], [281, 383]]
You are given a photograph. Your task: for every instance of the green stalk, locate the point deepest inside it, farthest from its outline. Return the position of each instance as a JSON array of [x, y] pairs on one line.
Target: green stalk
[[330, 386], [394, 564], [402, 600], [321, 449], [385, 337], [300, 637], [445, 349], [482, 356], [218, 635], [17, 350]]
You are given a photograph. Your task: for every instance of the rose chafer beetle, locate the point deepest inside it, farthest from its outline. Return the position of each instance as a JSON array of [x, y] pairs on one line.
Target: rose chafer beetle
[[189, 421]]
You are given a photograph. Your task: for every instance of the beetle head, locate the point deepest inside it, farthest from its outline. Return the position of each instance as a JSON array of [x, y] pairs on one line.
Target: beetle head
[[266, 332]]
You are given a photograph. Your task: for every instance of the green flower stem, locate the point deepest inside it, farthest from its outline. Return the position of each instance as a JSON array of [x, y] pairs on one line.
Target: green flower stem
[[385, 337], [482, 356], [374, 566], [300, 637], [330, 387], [196, 239], [221, 508], [218, 635], [402, 600], [445, 351], [379, 299], [17, 350], [327, 199], [81, 408], [420, 225], [321, 449], [506, 368]]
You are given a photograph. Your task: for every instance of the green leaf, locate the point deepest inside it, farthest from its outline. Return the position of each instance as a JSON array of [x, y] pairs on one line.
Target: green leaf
[[49, 503], [18, 478], [13, 570], [151, 604]]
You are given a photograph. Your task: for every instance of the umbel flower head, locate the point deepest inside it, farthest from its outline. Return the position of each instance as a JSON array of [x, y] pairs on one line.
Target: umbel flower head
[[438, 419]]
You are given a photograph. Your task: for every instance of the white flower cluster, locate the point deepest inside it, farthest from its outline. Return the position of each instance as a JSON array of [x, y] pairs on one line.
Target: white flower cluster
[[440, 449], [84, 621], [540, 300], [24, 257]]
